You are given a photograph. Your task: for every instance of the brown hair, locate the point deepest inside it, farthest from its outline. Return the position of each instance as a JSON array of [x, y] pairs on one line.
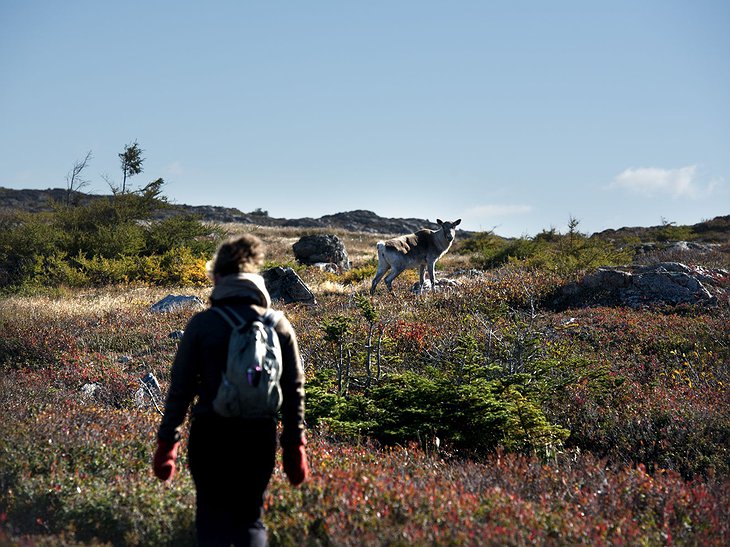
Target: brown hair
[[239, 254]]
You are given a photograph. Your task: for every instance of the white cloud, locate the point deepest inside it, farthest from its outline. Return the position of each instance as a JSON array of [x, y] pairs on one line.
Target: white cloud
[[498, 210], [653, 181]]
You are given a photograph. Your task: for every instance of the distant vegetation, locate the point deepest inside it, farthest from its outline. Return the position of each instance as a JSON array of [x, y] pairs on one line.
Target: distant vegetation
[[472, 415], [565, 254], [716, 230], [124, 238], [104, 242]]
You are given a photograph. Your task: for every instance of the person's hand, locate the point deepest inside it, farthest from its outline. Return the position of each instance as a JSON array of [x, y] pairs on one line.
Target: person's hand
[[294, 459], [163, 462]]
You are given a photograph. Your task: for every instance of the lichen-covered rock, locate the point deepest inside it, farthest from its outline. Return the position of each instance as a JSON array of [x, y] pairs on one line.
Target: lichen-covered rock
[[174, 301], [667, 283], [284, 284], [321, 248]]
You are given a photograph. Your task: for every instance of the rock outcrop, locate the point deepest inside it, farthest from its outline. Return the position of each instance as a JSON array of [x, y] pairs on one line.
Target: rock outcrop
[[365, 221], [322, 248], [284, 284], [668, 283], [175, 301]]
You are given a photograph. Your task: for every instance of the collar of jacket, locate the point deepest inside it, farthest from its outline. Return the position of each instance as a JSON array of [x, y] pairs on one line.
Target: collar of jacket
[[242, 285]]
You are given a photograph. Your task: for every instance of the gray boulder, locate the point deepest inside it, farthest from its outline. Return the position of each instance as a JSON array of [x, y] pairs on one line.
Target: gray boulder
[[284, 284], [608, 278], [667, 283], [176, 301], [671, 283], [321, 248], [686, 246], [90, 390]]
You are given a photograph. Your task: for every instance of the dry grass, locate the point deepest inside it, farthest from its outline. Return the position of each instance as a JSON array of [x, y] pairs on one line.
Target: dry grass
[[90, 302]]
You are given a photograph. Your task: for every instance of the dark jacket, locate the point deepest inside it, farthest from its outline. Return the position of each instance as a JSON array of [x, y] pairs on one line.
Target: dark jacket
[[202, 354]]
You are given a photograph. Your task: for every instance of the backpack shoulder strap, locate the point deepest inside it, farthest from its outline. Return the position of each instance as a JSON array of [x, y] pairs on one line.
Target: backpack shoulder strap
[[231, 317], [271, 317]]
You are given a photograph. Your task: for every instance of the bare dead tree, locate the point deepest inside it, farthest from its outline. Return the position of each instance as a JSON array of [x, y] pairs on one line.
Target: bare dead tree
[[113, 186], [75, 179]]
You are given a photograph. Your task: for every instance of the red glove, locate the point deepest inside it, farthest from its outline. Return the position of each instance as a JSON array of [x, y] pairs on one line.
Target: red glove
[[163, 462], [295, 463]]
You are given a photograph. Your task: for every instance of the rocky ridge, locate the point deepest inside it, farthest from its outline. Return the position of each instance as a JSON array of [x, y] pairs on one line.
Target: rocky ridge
[[36, 201]]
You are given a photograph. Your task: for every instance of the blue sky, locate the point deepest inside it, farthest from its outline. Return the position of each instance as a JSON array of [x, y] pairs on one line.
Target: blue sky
[[512, 115]]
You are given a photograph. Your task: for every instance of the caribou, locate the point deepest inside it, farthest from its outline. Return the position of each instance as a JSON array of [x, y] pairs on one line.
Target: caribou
[[418, 250]]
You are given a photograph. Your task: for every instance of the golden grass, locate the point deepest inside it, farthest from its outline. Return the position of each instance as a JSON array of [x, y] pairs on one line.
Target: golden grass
[[90, 302], [330, 287]]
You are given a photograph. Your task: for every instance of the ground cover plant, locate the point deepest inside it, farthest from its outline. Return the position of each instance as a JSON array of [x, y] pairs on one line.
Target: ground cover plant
[[471, 415]]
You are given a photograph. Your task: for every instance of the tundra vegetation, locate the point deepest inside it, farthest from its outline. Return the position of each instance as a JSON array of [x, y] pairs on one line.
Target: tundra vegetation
[[471, 415]]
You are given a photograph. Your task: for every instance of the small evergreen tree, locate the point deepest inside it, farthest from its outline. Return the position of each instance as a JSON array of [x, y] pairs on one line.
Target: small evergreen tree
[[336, 330], [131, 159]]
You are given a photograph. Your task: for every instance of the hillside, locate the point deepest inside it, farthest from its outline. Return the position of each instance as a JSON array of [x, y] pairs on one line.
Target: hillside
[[716, 230], [36, 201]]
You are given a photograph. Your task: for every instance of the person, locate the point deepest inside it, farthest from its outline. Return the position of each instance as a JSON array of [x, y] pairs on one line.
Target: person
[[231, 460]]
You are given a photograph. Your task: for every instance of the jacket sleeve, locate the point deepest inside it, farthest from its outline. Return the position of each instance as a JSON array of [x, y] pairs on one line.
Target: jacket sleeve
[[183, 380], [292, 387]]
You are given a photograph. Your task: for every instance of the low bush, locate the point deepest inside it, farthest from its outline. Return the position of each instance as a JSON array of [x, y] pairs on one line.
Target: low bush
[[565, 254], [362, 495], [358, 274], [81, 472]]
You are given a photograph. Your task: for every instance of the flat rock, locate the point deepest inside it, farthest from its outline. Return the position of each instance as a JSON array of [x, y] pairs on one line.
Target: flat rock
[[176, 301]]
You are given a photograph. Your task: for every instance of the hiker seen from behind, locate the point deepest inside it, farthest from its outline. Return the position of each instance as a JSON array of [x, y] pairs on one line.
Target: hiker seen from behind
[[238, 365]]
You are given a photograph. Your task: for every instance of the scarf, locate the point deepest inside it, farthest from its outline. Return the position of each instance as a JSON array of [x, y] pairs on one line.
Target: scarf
[[242, 285]]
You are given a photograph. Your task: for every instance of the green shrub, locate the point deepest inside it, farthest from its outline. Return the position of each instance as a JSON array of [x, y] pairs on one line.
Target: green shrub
[[670, 232], [181, 266], [178, 266], [293, 264], [473, 417], [493, 253], [482, 243], [357, 275], [107, 241], [23, 238], [101, 271], [181, 231], [563, 254]]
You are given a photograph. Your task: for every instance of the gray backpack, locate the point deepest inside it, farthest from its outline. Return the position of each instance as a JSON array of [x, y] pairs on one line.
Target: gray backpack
[[250, 385]]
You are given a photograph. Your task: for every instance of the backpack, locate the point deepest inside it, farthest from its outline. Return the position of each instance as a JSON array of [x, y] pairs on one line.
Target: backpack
[[250, 385]]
